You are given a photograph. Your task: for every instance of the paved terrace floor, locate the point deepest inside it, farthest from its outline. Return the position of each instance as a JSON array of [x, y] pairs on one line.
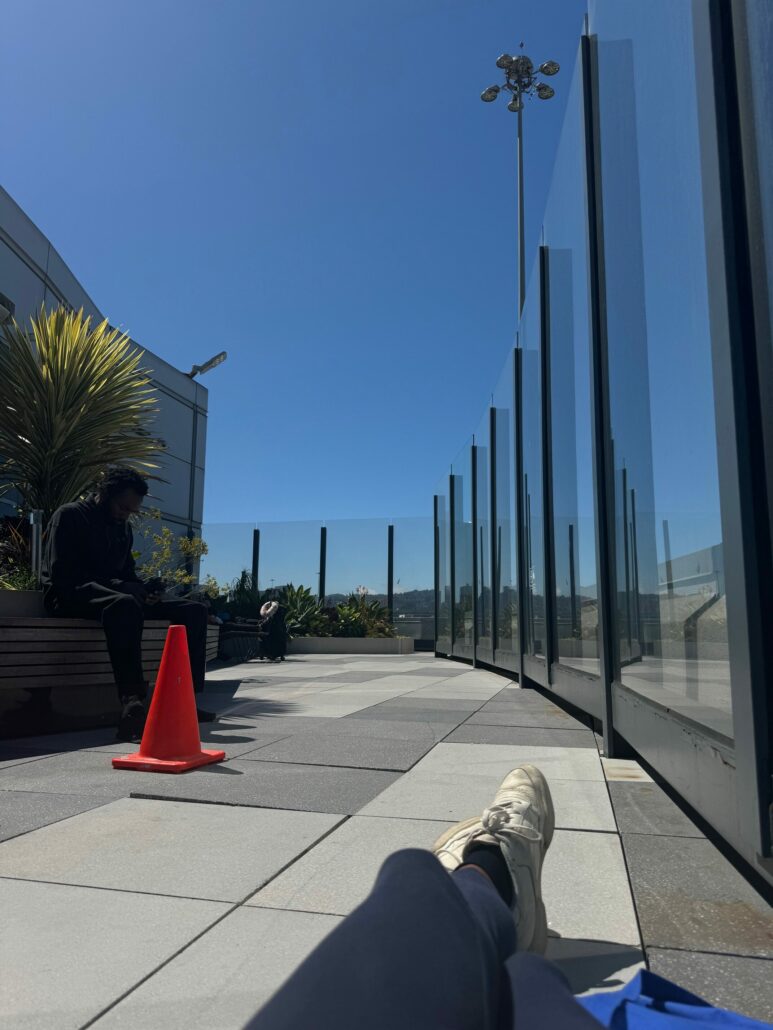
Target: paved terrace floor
[[145, 900]]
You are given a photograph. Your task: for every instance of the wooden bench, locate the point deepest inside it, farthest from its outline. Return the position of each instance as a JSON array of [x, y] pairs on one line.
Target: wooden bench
[[49, 652]]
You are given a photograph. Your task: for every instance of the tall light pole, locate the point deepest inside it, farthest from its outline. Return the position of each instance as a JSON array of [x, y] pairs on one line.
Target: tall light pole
[[521, 81]]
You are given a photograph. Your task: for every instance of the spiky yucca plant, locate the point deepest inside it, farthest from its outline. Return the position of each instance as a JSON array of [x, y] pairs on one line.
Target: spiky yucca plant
[[73, 401]]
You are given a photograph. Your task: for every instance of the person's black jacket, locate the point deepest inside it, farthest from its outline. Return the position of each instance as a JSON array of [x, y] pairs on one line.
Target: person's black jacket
[[84, 545]]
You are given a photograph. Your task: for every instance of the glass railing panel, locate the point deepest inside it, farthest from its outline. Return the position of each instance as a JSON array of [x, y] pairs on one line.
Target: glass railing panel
[[445, 597], [414, 606], [575, 604], [665, 315], [356, 559], [461, 472], [289, 553], [505, 572], [229, 551]]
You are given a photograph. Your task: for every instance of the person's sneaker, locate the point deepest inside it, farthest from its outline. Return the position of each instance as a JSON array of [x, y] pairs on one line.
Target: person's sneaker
[[521, 821], [132, 721]]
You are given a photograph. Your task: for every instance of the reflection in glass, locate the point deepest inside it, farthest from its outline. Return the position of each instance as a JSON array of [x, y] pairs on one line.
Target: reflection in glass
[[533, 513], [505, 575], [672, 639], [574, 541], [461, 478], [484, 645]]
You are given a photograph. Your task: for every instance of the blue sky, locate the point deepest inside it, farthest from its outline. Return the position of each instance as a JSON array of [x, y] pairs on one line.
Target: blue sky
[[315, 188]]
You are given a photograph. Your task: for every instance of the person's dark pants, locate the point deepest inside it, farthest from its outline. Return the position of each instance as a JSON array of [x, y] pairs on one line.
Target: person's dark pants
[[425, 949], [122, 617]]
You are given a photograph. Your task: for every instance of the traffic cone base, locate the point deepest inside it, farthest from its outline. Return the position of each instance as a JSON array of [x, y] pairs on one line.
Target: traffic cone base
[[167, 765], [171, 741]]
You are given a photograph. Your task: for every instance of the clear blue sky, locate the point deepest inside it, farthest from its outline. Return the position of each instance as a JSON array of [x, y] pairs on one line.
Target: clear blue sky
[[314, 187]]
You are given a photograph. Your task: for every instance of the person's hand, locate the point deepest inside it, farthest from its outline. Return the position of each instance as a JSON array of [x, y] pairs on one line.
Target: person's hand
[[135, 590]]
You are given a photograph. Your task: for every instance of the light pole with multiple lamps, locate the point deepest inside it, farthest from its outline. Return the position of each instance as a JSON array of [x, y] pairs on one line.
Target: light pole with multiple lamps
[[521, 81]]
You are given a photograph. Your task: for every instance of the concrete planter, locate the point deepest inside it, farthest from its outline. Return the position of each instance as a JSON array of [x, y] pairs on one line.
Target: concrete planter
[[351, 645], [21, 604]]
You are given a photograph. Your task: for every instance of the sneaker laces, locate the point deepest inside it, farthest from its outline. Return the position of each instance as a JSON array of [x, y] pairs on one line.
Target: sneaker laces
[[503, 818]]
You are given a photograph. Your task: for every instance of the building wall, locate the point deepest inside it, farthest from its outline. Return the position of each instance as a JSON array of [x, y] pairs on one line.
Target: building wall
[[32, 273]]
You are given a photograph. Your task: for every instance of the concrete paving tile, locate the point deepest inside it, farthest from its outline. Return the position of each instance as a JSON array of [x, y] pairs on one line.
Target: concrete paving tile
[[645, 808], [448, 796], [22, 811], [233, 735], [585, 888], [441, 721], [56, 743], [215, 852], [595, 966], [552, 717], [338, 873], [17, 758], [465, 706], [563, 763], [742, 985], [359, 743], [77, 772], [226, 976], [453, 690], [68, 952], [302, 788], [624, 770], [476, 734], [689, 897]]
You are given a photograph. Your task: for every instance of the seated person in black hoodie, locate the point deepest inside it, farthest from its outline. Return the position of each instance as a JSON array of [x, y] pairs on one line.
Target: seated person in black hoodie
[[88, 573]]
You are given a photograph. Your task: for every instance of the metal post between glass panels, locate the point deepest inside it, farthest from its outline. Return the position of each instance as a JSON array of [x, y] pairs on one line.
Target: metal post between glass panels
[[436, 542], [603, 475], [519, 520], [391, 572], [322, 561], [452, 554], [255, 557], [494, 574], [474, 501]]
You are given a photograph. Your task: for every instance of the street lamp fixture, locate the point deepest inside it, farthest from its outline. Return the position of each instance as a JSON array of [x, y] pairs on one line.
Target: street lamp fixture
[[199, 370], [521, 81]]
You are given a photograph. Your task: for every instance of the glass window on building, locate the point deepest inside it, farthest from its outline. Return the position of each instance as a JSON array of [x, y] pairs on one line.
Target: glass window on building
[[461, 479], [574, 540], [658, 173], [533, 528], [484, 648], [505, 573]]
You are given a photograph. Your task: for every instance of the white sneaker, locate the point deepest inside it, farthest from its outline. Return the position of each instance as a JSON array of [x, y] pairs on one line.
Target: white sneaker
[[521, 821]]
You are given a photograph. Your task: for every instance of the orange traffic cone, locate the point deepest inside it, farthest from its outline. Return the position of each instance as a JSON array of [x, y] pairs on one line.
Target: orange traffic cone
[[171, 741]]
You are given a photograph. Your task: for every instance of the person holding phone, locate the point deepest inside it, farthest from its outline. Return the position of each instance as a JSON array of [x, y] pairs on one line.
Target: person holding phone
[[89, 573]]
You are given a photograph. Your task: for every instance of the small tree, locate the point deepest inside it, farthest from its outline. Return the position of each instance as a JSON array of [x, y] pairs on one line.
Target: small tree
[[73, 401]]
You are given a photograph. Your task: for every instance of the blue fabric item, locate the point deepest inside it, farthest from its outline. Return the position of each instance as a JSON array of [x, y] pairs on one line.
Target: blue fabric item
[[649, 1002]]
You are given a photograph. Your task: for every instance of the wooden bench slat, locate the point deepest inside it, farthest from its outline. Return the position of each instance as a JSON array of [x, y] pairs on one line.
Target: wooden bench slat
[[86, 635], [34, 623], [40, 657]]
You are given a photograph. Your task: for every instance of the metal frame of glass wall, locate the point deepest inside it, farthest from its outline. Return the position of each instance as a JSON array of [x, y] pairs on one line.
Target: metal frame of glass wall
[[584, 583]]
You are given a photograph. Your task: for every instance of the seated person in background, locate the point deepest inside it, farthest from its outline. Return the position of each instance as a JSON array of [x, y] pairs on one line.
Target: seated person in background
[[88, 573], [273, 632]]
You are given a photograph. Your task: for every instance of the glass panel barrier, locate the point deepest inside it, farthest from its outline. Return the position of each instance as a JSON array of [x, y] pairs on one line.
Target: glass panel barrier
[[356, 559], [445, 599], [658, 250], [505, 573], [574, 539], [533, 515], [461, 471], [414, 603], [484, 646], [289, 553]]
